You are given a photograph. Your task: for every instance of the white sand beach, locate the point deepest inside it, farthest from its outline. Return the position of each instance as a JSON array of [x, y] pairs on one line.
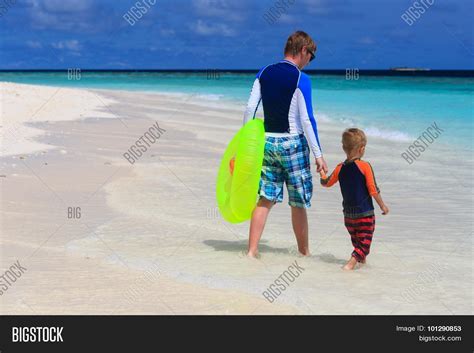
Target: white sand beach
[[149, 239]]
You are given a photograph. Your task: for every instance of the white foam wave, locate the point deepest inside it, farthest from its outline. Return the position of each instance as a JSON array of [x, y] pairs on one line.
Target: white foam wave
[[210, 97], [392, 135], [373, 131]]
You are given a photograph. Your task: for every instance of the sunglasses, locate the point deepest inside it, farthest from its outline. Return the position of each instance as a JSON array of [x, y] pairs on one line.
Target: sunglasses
[[312, 54]]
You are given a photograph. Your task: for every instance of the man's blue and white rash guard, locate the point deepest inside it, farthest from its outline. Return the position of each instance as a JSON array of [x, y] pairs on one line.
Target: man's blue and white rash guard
[[285, 93]]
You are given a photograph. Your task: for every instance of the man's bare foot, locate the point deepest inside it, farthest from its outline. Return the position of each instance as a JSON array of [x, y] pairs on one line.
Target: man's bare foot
[[350, 264], [304, 252]]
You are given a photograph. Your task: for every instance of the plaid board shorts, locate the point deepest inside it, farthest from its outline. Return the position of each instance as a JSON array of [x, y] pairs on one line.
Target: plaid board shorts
[[286, 160]]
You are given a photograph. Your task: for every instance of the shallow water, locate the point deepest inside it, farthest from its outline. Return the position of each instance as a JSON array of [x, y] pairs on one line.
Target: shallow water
[[421, 255], [395, 108]]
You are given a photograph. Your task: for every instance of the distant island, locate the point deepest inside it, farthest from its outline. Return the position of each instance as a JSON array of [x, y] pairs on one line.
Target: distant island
[[409, 69]]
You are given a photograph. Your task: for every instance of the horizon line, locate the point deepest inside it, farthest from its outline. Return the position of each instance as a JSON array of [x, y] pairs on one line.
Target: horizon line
[[396, 69], [399, 71]]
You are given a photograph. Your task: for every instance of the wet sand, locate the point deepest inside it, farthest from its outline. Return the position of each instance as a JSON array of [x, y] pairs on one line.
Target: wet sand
[[149, 239]]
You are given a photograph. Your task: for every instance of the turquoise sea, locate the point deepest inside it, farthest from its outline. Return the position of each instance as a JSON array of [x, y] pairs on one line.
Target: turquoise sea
[[398, 108]]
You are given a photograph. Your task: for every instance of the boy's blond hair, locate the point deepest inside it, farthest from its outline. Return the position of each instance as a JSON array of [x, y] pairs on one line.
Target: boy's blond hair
[[353, 138]]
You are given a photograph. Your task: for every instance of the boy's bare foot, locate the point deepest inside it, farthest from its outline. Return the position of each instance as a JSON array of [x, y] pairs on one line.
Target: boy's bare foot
[[253, 255], [350, 264]]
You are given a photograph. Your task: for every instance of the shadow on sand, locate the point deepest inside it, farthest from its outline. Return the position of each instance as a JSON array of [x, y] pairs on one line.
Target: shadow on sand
[[241, 247]]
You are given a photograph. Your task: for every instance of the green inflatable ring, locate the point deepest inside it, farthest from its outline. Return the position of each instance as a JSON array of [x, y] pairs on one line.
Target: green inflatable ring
[[236, 191]]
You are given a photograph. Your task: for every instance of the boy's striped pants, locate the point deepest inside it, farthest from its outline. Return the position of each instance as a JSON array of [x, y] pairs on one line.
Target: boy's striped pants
[[361, 231]]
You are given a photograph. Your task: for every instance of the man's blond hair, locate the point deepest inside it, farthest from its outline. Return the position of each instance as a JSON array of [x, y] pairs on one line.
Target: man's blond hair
[[297, 41]]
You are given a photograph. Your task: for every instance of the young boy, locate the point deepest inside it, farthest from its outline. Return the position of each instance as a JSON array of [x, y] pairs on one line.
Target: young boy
[[358, 186]]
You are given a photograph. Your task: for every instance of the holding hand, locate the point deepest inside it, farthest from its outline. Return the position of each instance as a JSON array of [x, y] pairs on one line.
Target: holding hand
[[321, 165]]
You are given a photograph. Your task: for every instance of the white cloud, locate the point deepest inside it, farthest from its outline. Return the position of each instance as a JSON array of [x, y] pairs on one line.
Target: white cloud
[[73, 45], [317, 7], [366, 40], [209, 29], [64, 15], [167, 32], [66, 5], [121, 64], [288, 19], [34, 44], [225, 10]]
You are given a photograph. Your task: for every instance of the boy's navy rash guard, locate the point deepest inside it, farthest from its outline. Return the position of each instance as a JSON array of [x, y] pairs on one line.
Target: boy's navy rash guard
[[285, 93], [358, 185]]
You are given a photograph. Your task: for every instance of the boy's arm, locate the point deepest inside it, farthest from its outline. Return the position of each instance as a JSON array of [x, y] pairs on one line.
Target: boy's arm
[[381, 204], [333, 178], [371, 184], [368, 172]]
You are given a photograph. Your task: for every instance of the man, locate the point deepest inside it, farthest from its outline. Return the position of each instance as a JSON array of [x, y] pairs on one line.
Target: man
[[285, 93]]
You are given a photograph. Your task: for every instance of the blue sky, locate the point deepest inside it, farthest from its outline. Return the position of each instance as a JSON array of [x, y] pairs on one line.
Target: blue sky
[[202, 34]]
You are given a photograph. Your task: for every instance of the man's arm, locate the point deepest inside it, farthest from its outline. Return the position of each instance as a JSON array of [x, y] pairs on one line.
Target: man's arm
[[254, 100], [308, 122]]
